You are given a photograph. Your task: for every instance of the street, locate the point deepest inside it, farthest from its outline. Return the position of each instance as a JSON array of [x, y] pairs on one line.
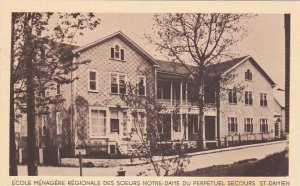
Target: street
[[196, 162]]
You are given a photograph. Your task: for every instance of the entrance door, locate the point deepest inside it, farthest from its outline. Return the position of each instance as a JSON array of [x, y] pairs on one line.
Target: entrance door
[[210, 128]]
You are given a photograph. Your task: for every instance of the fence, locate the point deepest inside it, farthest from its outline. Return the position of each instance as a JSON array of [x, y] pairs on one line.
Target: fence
[[246, 138]]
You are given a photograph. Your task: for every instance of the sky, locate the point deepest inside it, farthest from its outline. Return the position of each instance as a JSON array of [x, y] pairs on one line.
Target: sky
[[264, 42]]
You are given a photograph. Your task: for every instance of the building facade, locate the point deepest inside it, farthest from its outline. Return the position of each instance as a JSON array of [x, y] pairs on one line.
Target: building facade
[[92, 117]]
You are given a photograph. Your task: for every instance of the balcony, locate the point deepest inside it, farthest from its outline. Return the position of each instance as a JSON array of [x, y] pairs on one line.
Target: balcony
[[180, 93]]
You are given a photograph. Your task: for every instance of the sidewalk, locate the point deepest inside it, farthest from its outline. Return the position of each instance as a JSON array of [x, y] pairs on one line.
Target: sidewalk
[[197, 160]]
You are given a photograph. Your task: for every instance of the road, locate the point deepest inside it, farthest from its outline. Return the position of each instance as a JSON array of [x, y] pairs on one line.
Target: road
[[196, 162]]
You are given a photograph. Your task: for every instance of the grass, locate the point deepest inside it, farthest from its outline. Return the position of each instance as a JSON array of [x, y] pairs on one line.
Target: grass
[[273, 165]]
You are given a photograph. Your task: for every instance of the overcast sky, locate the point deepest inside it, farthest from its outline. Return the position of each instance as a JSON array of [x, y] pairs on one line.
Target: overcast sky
[[265, 41]]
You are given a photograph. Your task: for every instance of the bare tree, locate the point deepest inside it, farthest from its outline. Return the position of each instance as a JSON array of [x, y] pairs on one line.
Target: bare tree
[[147, 116], [39, 59], [198, 41]]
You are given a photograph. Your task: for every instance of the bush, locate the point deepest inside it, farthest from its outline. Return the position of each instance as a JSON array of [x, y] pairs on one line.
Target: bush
[[88, 164]]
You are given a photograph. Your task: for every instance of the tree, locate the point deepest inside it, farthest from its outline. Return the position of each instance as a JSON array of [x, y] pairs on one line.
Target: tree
[[198, 41], [144, 138], [41, 56]]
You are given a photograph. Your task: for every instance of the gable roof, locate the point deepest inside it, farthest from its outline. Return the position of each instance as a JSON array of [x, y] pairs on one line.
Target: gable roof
[[123, 37], [230, 65], [222, 68]]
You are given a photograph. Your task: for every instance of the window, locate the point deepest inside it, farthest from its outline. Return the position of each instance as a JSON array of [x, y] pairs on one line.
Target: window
[[164, 122], [177, 122], [232, 124], [160, 128], [248, 98], [263, 125], [58, 88], [232, 96], [58, 123], [248, 75], [114, 121], [117, 53], [118, 83], [163, 90], [263, 100], [122, 84], [140, 123], [193, 121], [142, 85], [44, 119], [93, 81], [98, 123], [248, 125]]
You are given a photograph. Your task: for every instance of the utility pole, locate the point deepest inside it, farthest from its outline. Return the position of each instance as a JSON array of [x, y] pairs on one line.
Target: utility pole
[[287, 26]]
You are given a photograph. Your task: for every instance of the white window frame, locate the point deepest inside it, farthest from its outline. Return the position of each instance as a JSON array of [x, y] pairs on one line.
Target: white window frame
[[250, 123], [106, 120], [119, 118], [96, 80], [234, 122], [144, 77], [118, 81], [232, 92], [264, 124], [120, 49], [58, 123], [248, 74], [248, 98], [263, 97], [43, 121]]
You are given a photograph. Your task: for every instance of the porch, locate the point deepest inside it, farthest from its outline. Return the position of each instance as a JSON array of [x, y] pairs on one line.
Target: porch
[[185, 129], [177, 92]]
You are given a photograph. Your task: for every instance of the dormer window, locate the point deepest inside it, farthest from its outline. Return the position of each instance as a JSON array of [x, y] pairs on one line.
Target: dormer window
[[118, 53], [248, 75]]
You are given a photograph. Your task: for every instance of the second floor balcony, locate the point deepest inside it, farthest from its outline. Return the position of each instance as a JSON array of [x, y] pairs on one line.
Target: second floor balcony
[[182, 93]]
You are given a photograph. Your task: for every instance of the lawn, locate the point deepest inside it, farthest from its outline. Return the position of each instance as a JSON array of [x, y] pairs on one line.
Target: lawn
[[273, 165]]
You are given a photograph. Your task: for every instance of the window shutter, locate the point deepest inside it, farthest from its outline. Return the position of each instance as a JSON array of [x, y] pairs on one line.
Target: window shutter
[[112, 53], [122, 54]]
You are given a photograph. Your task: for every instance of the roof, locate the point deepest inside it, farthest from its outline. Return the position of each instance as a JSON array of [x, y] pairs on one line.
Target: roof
[[217, 69], [126, 39], [171, 67], [280, 103], [225, 66]]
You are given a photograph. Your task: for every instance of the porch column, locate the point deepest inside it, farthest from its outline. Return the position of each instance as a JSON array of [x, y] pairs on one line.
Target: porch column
[[186, 92], [172, 129], [171, 93], [186, 127], [181, 126], [180, 93]]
